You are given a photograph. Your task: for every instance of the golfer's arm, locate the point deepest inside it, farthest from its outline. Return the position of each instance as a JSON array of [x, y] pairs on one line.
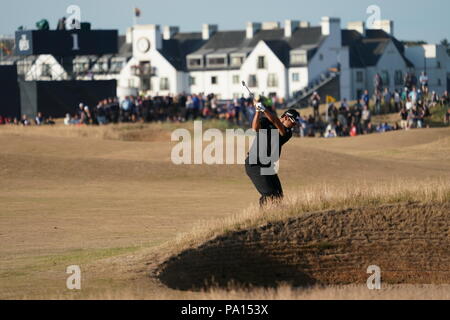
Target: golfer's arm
[[256, 124], [276, 122]]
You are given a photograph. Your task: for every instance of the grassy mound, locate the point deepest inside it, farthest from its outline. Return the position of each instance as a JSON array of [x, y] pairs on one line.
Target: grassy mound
[[408, 238]]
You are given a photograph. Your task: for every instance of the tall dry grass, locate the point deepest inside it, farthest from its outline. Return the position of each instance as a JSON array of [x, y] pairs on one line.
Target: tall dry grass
[[351, 292], [312, 199], [283, 292]]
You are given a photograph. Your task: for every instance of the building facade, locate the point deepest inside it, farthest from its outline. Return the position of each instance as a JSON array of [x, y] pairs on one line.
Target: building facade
[[288, 61]]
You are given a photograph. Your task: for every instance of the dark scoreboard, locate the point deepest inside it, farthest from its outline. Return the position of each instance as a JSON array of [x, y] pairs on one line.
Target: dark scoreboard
[[66, 42]]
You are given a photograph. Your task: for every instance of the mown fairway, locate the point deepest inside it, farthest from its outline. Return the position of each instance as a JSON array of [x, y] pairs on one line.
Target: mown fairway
[[70, 196]]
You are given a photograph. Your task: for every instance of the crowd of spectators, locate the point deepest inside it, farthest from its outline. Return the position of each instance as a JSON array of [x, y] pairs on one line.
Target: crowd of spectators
[[412, 104], [342, 119], [179, 108], [25, 121]]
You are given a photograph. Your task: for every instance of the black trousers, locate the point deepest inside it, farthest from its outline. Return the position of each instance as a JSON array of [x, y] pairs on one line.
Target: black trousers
[[269, 186]]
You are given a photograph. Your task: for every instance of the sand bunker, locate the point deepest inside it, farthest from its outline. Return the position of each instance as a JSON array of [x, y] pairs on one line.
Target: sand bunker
[[410, 242]]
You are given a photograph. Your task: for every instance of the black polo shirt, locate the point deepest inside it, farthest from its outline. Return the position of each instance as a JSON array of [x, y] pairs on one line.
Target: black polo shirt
[[268, 126]]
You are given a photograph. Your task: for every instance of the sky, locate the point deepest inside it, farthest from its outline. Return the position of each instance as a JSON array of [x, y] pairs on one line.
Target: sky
[[413, 19]]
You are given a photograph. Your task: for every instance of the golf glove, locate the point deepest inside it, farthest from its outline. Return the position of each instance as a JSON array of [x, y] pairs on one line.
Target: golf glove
[[260, 107]]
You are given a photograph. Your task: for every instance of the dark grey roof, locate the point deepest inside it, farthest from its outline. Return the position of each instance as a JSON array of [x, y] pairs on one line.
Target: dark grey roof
[[225, 39], [367, 51], [274, 38], [176, 49], [125, 49], [281, 49]]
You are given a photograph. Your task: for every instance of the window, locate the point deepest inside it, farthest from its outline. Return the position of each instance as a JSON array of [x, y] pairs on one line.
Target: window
[[296, 77], [438, 64], [145, 84], [131, 83], [145, 68], [385, 78], [195, 62], [104, 66], [439, 81], [272, 80], [101, 66], [261, 62], [81, 67], [46, 70], [299, 58], [191, 81], [117, 65], [236, 79], [252, 81], [221, 61], [164, 84], [359, 76], [213, 80], [237, 61], [398, 78], [321, 57]]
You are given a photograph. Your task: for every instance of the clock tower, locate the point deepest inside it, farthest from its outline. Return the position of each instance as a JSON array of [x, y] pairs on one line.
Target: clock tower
[[146, 38]]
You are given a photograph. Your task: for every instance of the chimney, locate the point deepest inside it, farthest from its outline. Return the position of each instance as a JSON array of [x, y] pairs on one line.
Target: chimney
[[252, 29], [359, 26], [270, 25], [208, 30], [331, 27], [169, 32], [289, 27], [129, 35], [304, 24], [385, 25], [156, 37]]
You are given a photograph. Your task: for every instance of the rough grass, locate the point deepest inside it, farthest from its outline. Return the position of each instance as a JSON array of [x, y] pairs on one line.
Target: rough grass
[[283, 292], [317, 198], [352, 292]]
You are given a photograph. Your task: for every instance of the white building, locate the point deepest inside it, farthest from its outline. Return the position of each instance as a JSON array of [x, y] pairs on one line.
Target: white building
[[273, 60], [434, 61], [366, 52], [289, 62]]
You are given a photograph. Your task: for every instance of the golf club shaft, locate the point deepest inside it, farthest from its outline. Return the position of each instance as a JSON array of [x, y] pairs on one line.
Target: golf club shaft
[[245, 85]]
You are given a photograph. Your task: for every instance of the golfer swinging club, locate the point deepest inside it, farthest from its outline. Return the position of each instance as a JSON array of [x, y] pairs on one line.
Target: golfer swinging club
[[268, 185]]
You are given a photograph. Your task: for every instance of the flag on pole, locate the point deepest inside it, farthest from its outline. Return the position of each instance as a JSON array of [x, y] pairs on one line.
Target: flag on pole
[[137, 12], [330, 99]]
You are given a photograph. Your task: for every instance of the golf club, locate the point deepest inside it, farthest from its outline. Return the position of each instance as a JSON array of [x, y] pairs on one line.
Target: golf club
[[251, 94]]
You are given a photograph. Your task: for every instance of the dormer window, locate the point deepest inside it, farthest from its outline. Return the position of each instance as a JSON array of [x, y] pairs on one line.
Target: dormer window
[[237, 61], [196, 62], [101, 66], [46, 70], [299, 57], [81, 66], [217, 61], [117, 65]]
